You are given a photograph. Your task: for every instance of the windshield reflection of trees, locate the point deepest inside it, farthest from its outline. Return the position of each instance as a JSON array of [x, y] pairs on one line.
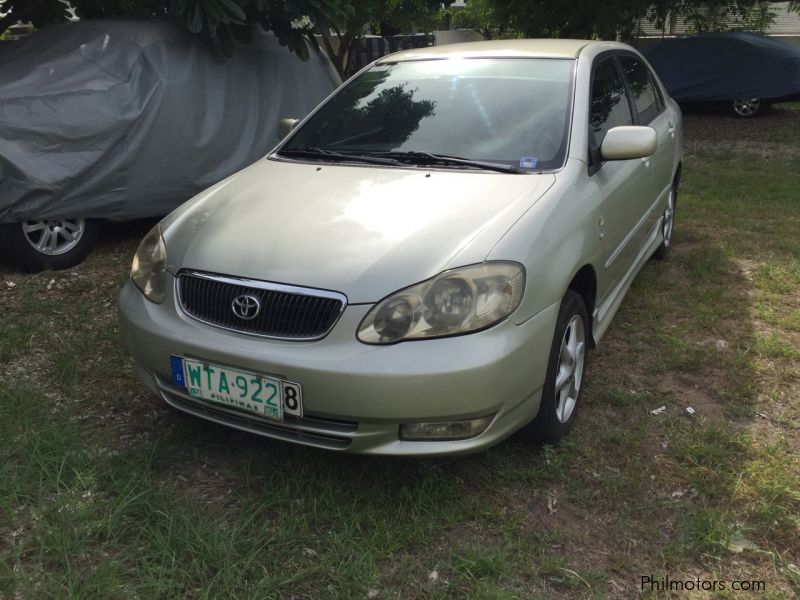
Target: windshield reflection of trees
[[388, 119]]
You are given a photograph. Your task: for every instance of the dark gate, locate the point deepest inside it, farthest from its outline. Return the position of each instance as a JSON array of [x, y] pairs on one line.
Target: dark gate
[[372, 48]]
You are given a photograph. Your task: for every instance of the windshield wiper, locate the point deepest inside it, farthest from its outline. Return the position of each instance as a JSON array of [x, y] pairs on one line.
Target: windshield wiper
[[312, 152], [424, 158]]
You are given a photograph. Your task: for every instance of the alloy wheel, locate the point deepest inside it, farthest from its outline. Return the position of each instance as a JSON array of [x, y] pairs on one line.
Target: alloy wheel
[[746, 107], [570, 368], [54, 236], [669, 219]]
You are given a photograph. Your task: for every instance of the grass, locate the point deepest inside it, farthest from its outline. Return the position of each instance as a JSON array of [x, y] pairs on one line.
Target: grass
[[108, 493]]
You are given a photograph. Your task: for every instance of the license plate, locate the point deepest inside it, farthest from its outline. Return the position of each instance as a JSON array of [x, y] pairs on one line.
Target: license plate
[[265, 396]]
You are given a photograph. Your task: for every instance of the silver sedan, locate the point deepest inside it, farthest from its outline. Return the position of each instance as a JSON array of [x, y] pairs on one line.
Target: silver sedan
[[423, 263]]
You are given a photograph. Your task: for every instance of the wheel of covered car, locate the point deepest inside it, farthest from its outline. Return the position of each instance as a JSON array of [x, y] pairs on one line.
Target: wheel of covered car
[[667, 224], [38, 244], [562, 387], [747, 107]]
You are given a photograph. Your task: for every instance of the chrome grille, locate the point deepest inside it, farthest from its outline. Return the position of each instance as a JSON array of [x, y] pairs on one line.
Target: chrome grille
[[286, 312]]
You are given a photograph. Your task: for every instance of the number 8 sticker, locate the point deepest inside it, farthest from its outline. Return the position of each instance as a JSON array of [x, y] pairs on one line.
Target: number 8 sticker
[[292, 398]]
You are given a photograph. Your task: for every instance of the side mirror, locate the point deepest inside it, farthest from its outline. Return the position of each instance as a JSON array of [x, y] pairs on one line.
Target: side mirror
[[628, 142], [285, 127]]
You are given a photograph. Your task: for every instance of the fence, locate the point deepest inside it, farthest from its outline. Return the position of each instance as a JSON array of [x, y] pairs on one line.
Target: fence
[[373, 47]]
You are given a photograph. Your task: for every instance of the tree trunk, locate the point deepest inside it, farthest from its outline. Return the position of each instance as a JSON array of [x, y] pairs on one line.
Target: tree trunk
[[340, 56]]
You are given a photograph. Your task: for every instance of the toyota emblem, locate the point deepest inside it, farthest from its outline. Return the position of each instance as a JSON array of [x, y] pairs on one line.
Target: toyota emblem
[[246, 307]]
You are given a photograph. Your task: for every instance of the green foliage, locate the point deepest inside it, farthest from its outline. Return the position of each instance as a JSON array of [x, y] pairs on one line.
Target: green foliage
[[712, 15], [758, 18], [229, 20], [38, 12], [384, 17], [605, 20], [225, 21], [403, 16], [480, 15], [746, 17], [220, 21]]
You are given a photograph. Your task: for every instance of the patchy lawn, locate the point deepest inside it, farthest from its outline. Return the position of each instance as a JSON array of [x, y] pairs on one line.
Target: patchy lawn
[[106, 492]]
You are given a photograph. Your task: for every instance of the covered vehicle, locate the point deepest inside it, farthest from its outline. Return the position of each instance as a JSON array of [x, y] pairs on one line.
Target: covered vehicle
[[121, 119], [743, 72]]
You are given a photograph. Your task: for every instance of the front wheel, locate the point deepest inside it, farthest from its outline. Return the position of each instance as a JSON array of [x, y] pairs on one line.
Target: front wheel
[[35, 245], [562, 386]]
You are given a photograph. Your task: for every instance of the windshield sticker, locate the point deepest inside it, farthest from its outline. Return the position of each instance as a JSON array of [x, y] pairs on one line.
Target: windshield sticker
[[526, 162]]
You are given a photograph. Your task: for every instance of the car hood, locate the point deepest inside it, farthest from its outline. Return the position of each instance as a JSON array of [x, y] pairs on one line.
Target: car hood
[[361, 230]]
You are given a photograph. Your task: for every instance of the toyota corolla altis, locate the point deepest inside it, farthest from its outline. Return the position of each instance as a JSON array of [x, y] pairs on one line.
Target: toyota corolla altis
[[422, 264]]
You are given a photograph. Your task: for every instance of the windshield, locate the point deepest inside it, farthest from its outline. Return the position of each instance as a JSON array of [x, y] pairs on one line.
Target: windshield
[[512, 112]]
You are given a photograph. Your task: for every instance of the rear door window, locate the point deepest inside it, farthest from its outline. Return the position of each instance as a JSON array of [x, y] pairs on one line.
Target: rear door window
[[642, 89]]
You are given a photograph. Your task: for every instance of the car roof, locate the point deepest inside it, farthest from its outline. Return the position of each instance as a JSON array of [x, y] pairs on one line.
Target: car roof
[[543, 48]]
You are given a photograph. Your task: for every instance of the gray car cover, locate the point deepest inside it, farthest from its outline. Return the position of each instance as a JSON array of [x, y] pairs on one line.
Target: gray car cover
[[128, 119], [726, 66]]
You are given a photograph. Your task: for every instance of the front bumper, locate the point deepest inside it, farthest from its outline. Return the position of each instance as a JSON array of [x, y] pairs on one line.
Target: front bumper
[[355, 396]]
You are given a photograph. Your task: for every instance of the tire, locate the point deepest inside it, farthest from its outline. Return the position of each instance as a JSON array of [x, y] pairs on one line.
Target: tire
[[560, 400], [668, 224], [749, 108], [35, 245]]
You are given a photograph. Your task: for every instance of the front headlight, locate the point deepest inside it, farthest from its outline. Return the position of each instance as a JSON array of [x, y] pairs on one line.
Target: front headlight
[[149, 268], [454, 302]]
